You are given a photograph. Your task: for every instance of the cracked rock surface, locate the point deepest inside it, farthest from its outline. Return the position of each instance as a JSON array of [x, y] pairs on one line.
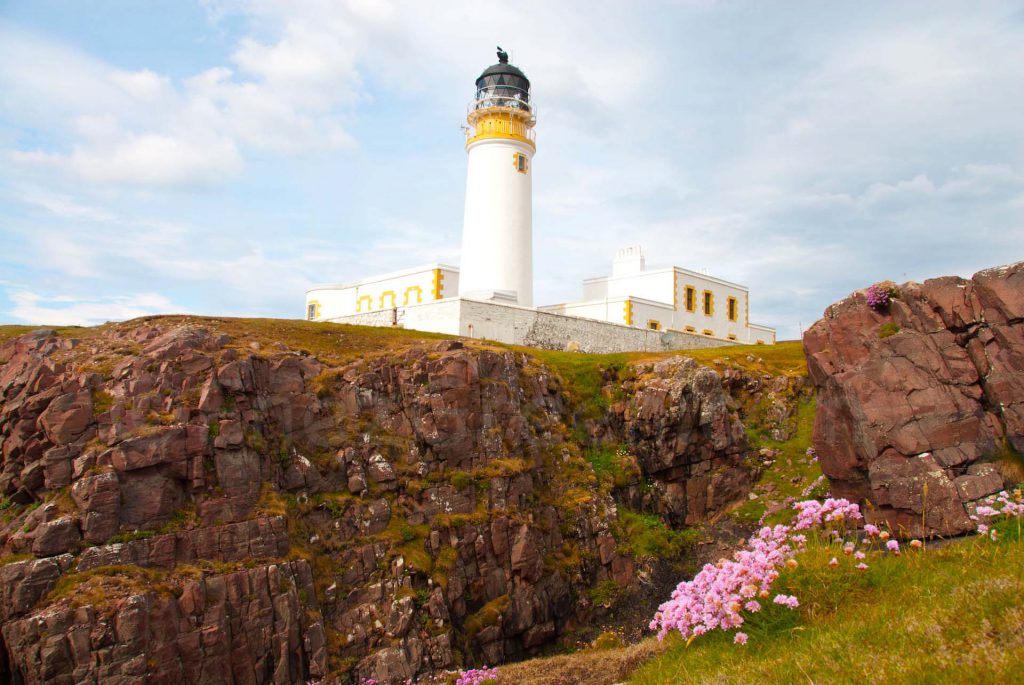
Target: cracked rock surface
[[182, 503], [911, 417]]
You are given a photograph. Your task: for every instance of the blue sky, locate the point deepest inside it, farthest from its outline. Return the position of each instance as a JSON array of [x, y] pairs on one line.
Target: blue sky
[[218, 157]]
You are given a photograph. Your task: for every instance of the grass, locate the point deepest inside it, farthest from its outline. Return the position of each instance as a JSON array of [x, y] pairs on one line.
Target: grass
[[613, 466], [8, 331], [951, 614], [792, 472], [643, 536]]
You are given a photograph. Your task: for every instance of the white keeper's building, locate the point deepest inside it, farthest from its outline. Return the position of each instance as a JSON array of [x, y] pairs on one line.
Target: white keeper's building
[[491, 295]]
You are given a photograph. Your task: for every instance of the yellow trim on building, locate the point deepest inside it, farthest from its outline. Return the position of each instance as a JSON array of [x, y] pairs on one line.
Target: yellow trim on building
[[653, 324], [733, 310], [732, 336], [708, 331], [691, 298], [628, 312], [419, 294], [708, 303], [521, 162], [388, 293], [691, 329], [369, 303], [438, 281], [316, 310], [675, 291], [499, 122]]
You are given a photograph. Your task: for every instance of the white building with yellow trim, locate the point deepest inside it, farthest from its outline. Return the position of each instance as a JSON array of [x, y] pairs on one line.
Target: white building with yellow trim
[[491, 295], [385, 292], [667, 298]]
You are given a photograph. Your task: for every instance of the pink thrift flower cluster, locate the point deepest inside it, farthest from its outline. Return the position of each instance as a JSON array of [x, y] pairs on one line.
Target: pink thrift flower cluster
[[477, 676], [879, 297], [1001, 504], [719, 593], [813, 514]]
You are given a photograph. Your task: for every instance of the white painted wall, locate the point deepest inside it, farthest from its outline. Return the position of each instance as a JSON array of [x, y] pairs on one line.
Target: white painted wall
[[497, 233], [385, 292], [517, 325], [657, 289], [718, 322]]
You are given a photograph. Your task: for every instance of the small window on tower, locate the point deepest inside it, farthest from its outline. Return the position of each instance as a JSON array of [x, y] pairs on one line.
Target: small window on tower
[[709, 303], [522, 164], [311, 311], [732, 309]]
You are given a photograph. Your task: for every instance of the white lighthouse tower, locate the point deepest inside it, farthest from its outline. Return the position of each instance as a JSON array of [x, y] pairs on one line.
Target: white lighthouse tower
[[497, 232]]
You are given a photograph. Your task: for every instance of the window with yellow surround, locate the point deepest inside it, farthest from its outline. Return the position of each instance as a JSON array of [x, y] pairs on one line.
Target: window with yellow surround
[[733, 309], [654, 325], [413, 295], [691, 298], [709, 303], [521, 163]]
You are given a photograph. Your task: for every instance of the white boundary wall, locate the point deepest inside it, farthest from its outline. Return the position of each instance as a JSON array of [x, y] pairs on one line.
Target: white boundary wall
[[523, 326]]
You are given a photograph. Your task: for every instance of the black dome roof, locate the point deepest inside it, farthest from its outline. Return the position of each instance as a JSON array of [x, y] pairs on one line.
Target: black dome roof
[[503, 68]]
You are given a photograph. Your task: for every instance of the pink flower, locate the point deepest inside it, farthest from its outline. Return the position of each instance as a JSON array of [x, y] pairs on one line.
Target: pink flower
[[871, 529], [848, 548], [982, 528], [893, 546], [833, 562], [787, 600], [916, 544], [859, 555], [862, 566], [740, 639]]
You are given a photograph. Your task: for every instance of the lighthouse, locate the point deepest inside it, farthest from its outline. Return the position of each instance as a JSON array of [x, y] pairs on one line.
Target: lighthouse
[[497, 231], [490, 297]]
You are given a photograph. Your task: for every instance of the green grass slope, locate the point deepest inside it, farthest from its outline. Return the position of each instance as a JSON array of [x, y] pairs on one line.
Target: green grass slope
[[949, 614]]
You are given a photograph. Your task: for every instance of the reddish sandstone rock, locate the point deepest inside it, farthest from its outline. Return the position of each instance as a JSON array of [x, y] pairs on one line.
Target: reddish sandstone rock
[[433, 471], [928, 405], [686, 438], [242, 627]]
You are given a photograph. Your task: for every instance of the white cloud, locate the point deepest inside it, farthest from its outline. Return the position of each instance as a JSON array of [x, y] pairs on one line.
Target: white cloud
[[802, 163], [68, 310], [143, 128]]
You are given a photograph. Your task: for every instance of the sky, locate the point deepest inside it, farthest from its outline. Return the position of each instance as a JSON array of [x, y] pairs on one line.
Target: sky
[[219, 157]]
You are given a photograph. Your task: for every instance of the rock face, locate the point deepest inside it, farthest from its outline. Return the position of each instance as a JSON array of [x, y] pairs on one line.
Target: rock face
[[686, 436], [915, 401], [191, 505]]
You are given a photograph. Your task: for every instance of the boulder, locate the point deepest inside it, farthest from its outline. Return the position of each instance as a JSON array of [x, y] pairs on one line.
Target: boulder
[[915, 400]]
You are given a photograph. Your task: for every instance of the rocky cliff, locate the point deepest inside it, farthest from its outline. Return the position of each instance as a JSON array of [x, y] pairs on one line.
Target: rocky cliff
[[921, 400], [198, 501]]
